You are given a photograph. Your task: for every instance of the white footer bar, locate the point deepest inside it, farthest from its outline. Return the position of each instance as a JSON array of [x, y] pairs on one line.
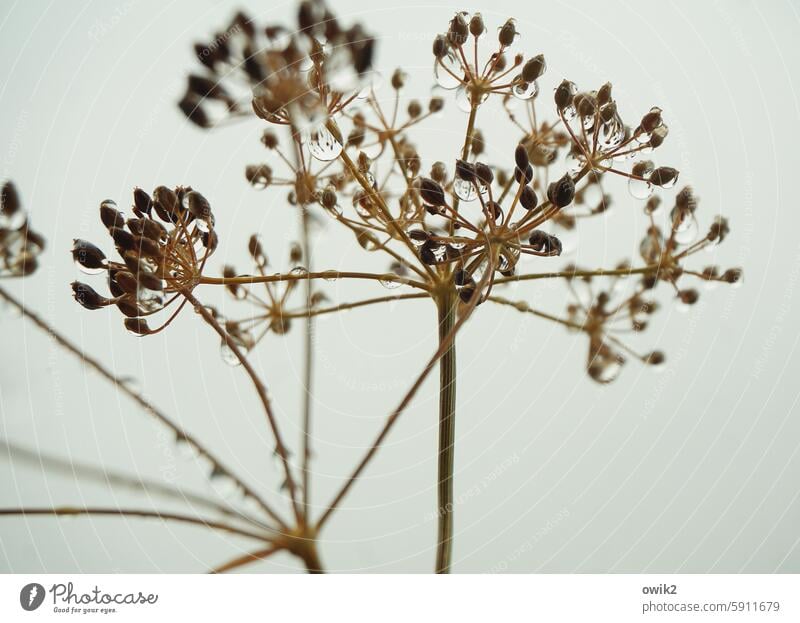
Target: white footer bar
[[400, 598]]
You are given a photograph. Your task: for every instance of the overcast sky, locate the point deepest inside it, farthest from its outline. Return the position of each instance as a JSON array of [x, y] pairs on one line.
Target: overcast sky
[[693, 469]]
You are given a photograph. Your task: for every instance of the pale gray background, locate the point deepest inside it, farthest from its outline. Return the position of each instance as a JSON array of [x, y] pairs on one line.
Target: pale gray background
[[691, 470]]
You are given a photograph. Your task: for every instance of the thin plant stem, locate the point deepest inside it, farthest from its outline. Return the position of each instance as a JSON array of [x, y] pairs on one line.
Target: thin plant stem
[[345, 306], [405, 401], [330, 275], [246, 559], [70, 511], [601, 272], [446, 305], [261, 390], [148, 407], [134, 483]]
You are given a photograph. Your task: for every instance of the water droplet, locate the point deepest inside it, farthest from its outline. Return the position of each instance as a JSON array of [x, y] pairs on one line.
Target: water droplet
[[650, 249], [185, 448], [149, 300], [12, 221], [639, 189], [299, 271], [525, 90], [464, 190], [227, 354], [390, 284], [447, 79], [223, 485], [323, 145], [684, 226]]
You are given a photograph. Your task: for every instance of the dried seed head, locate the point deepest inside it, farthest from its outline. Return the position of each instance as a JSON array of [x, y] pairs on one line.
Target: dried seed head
[[328, 198], [543, 242], [439, 172], [664, 176], [534, 68], [142, 204], [88, 255], [9, 200], [87, 296], [457, 33], [523, 177], [110, 216], [585, 104], [521, 157], [733, 275], [123, 239], [719, 230], [137, 326], [398, 79], [658, 136], [414, 109], [269, 139], [604, 94], [259, 175], [564, 94], [256, 250], [685, 200], [436, 104], [465, 170], [484, 173], [689, 296], [439, 46], [478, 145], [476, 25], [431, 192], [198, 206], [651, 120], [655, 358], [527, 198], [507, 34], [562, 192]]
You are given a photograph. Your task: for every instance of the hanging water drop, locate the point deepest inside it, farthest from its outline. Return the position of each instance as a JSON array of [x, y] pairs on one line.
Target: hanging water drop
[[639, 189], [464, 190], [323, 145]]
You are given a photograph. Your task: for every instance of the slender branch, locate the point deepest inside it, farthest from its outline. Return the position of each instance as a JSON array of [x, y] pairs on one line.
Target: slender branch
[[600, 272], [149, 408], [345, 306], [522, 306], [308, 346], [261, 390], [247, 559], [69, 511], [406, 400], [103, 475], [329, 275], [446, 305]]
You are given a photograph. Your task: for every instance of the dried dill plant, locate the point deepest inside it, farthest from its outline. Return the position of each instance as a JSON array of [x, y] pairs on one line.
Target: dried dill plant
[[453, 232]]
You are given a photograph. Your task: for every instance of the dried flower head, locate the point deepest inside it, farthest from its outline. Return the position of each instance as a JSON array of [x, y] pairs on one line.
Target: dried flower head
[[162, 248], [20, 246]]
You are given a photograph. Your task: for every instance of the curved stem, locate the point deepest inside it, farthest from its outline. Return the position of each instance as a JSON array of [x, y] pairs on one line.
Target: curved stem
[[69, 511], [330, 275], [247, 559], [406, 400], [122, 386], [446, 305], [261, 390]]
